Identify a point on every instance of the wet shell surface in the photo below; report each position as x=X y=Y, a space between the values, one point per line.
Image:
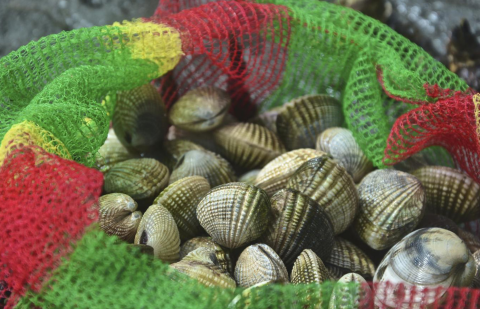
x=326 y=182
x=209 y=165
x=158 y=230
x=392 y=204
x=351 y=292
x=248 y=145
x=111 y=152
x=181 y=199
x=274 y=176
x=432 y=258
x=222 y=254
x=268 y=119
x=200 y=109
x=450 y=192
x=303 y=119
x=117 y=216
x=341 y=145
x=259 y=263
x=234 y=214
x=139 y=118
x=298 y=223
x=309 y=268
x=249 y=177
x=202 y=265
x=141 y=179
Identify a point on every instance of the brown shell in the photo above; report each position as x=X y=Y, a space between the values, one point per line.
x=304 y=118
x=298 y=223
x=222 y=254
x=181 y=199
x=450 y=192
x=309 y=268
x=158 y=230
x=268 y=119
x=209 y=165
x=471 y=241
x=274 y=176
x=326 y=182
x=234 y=214
x=259 y=263
x=117 y=216
x=249 y=177
x=111 y=152
x=392 y=204
x=248 y=145
x=200 y=109
x=351 y=292
x=139 y=118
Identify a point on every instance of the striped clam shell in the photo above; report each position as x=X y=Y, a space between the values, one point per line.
x=303 y=119
x=111 y=152
x=351 y=292
x=392 y=204
x=309 y=268
x=222 y=254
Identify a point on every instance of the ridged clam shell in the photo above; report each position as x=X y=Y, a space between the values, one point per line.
x=248 y=145
x=304 y=118
x=117 y=216
x=429 y=257
x=268 y=119
x=222 y=254
x=209 y=165
x=202 y=265
x=249 y=177
x=259 y=263
x=111 y=152
x=392 y=203
x=351 y=292
x=176 y=148
x=234 y=214
x=341 y=145
x=476 y=278
x=141 y=179
x=346 y=258
x=309 y=268
x=274 y=176
x=158 y=230
x=450 y=192
x=139 y=118
x=471 y=241
x=298 y=223
x=326 y=182
x=200 y=109
x=181 y=199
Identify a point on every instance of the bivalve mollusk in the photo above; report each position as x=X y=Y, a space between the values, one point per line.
x=268 y=119
x=309 y=268
x=249 y=177
x=222 y=254
x=476 y=278
x=351 y=292
x=111 y=152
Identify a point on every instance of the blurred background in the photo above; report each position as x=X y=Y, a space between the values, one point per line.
x=447 y=29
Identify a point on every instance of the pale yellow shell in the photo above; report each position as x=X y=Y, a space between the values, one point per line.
x=351 y=292
x=309 y=268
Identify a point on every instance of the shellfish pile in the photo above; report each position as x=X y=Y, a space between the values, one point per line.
x=286 y=198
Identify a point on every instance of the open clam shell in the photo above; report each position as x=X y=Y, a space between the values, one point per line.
x=309 y=268
x=222 y=254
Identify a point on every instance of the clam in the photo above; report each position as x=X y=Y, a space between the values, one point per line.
x=274 y=176
x=351 y=292
x=209 y=165
x=200 y=109
x=432 y=258
x=111 y=152
x=341 y=145
x=259 y=263
x=268 y=119
x=139 y=118
x=309 y=268
x=176 y=148
x=203 y=266
x=158 y=230
x=347 y=258
x=203 y=139
x=180 y=199
x=450 y=192
x=142 y=179
x=298 y=223
x=234 y=214
x=471 y=241
x=303 y=119
x=392 y=203
x=249 y=177
x=248 y=145
x=476 y=279
x=222 y=254
x=326 y=182
x=117 y=216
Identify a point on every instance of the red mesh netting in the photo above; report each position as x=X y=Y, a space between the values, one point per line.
x=46 y=205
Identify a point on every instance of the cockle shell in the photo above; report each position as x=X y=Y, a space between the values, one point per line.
x=309 y=268
x=351 y=292
x=274 y=176
x=117 y=216
x=259 y=263
x=234 y=214
x=392 y=203
x=450 y=192
x=222 y=254
x=248 y=145
x=298 y=223
x=341 y=145
x=432 y=258
x=111 y=152
x=303 y=119
x=174 y=149
x=181 y=199
x=158 y=230
x=326 y=182
x=249 y=177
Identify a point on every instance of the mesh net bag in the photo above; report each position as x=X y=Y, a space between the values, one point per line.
x=56 y=103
